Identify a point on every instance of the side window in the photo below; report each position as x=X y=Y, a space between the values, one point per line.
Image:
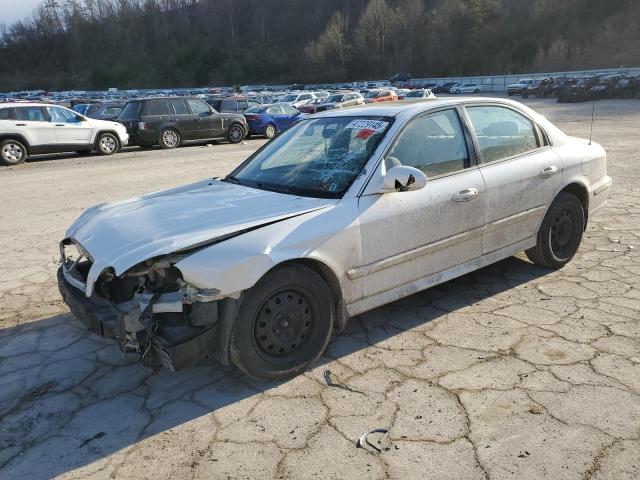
x=289 y=110
x=31 y=114
x=433 y=143
x=242 y=105
x=198 y=106
x=159 y=107
x=228 y=105
x=501 y=132
x=62 y=115
x=7 y=114
x=180 y=106
x=275 y=110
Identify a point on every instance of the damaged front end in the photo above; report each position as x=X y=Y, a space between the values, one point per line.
x=149 y=309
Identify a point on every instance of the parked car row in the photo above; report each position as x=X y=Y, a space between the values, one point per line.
x=37 y=128
x=105 y=125
x=572 y=89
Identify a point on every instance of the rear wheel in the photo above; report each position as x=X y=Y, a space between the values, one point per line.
x=169 y=138
x=270 y=131
x=560 y=233
x=107 y=144
x=12 y=152
x=235 y=134
x=284 y=324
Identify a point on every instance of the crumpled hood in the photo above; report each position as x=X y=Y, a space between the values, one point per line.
x=123 y=234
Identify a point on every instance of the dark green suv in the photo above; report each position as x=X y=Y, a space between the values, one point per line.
x=170 y=121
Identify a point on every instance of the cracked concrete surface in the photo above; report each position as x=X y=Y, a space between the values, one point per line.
x=510 y=372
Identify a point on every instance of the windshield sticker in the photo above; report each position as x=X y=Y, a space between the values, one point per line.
x=375 y=125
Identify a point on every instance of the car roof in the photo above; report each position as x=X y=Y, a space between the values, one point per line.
x=27 y=104
x=401 y=108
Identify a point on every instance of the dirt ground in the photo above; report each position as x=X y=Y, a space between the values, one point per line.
x=511 y=372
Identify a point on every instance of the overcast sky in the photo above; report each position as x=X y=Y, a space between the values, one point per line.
x=12 y=10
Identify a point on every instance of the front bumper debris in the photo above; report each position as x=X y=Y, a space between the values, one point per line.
x=155 y=328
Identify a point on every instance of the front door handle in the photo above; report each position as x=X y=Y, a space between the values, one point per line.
x=60 y=124
x=466 y=195
x=548 y=171
x=21 y=124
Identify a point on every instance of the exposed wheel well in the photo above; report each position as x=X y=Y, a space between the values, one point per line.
x=582 y=193
x=330 y=277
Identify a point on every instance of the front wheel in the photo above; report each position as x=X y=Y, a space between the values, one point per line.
x=560 y=233
x=270 y=131
x=283 y=325
x=107 y=144
x=169 y=138
x=12 y=152
x=235 y=134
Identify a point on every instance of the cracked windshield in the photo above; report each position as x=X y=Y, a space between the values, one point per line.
x=316 y=158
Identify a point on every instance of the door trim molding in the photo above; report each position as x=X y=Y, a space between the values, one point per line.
x=401 y=291
x=399 y=258
x=511 y=219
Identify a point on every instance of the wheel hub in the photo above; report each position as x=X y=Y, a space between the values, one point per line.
x=561 y=233
x=283 y=323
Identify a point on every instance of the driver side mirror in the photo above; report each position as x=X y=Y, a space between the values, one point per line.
x=403 y=178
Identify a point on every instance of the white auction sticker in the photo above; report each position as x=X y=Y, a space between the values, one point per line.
x=376 y=125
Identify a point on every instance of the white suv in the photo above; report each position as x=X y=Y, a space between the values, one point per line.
x=33 y=128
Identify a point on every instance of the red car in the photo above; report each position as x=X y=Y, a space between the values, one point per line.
x=310 y=106
x=380 y=96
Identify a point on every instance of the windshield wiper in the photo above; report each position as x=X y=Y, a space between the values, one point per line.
x=275 y=189
x=231 y=179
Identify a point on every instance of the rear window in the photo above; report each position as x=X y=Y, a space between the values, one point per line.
x=130 y=111
x=159 y=107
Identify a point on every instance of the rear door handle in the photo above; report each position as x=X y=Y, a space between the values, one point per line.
x=60 y=124
x=548 y=171
x=466 y=195
x=21 y=124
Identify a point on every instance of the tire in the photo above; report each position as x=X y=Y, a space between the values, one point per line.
x=457 y=92
x=169 y=138
x=524 y=93
x=510 y=94
x=283 y=325
x=476 y=90
x=270 y=131
x=107 y=144
x=560 y=233
x=235 y=133
x=12 y=152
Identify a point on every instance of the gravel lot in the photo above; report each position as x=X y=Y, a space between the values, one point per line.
x=511 y=372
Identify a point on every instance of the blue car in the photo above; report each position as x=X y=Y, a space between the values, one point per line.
x=269 y=120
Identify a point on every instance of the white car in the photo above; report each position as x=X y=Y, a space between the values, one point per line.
x=297 y=99
x=35 y=128
x=343 y=212
x=420 y=93
x=466 y=88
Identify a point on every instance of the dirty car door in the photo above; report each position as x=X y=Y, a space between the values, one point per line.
x=410 y=235
x=521 y=172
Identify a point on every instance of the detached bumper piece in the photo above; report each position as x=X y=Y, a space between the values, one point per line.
x=174 y=340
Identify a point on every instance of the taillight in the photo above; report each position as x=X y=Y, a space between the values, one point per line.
x=251 y=117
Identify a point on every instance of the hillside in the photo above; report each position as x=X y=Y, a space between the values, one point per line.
x=170 y=43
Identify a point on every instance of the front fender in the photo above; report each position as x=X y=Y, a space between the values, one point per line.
x=328 y=236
